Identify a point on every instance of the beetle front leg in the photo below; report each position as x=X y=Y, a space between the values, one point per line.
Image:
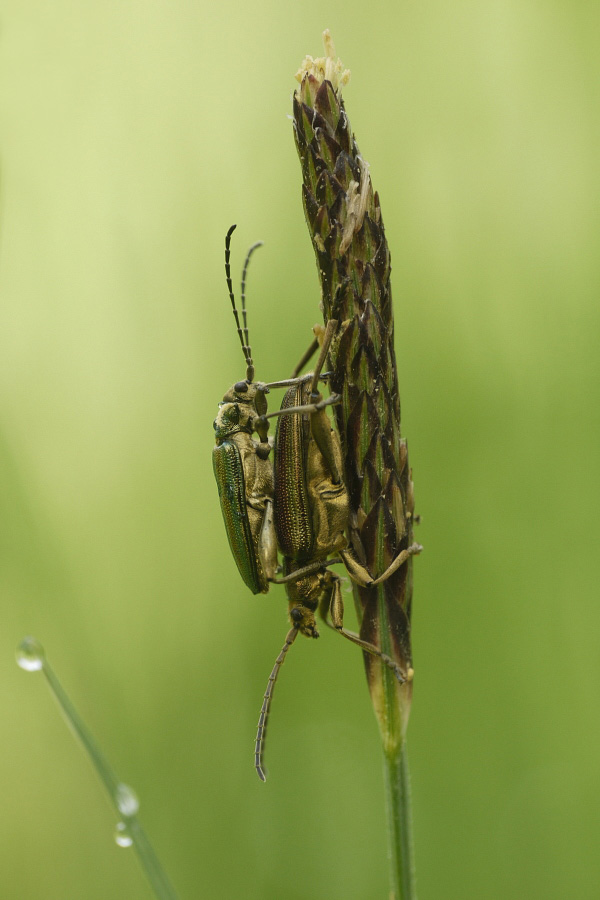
x=323 y=338
x=336 y=611
x=306 y=358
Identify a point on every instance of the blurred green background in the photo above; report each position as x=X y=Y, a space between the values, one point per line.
x=132 y=136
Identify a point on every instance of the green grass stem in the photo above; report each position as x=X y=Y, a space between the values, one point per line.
x=31 y=657
x=398 y=809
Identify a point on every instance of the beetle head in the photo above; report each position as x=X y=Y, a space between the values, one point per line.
x=304 y=620
x=303 y=596
x=250 y=393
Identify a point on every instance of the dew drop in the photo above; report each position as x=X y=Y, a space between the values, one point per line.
x=123 y=836
x=30 y=655
x=126 y=800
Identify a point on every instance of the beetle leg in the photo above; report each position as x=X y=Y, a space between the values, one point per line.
x=326 y=335
x=357 y=572
x=300 y=573
x=307 y=570
x=320 y=426
x=325 y=603
x=413 y=550
x=306 y=358
x=325 y=439
x=321 y=332
x=326 y=339
x=290 y=382
x=361 y=575
x=336 y=611
x=310 y=408
x=267 y=543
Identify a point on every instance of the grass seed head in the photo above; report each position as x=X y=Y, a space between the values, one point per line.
x=344 y=219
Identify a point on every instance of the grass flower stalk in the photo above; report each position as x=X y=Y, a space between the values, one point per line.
x=344 y=218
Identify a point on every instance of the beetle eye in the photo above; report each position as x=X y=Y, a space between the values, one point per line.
x=296 y=614
x=215 y=424
x=240 y=387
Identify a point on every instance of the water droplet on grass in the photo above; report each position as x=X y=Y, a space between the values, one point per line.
x=123 y=835
x=126 y=800
x=30 y=655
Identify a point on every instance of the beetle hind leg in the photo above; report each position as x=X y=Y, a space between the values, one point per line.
x=362 y=576
x=331 y=610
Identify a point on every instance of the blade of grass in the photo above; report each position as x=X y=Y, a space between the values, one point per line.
x=31 y=657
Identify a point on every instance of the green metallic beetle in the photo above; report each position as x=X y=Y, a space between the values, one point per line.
x=243 y=469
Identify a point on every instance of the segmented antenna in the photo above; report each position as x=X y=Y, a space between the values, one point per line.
x=245 y=269
x=259 y=747
x=242 y=332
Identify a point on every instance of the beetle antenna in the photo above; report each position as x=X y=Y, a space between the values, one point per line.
x=259 y=747
x=244 y=343
x=244 y=271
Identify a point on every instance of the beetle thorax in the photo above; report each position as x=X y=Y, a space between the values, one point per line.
x=233 y=418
